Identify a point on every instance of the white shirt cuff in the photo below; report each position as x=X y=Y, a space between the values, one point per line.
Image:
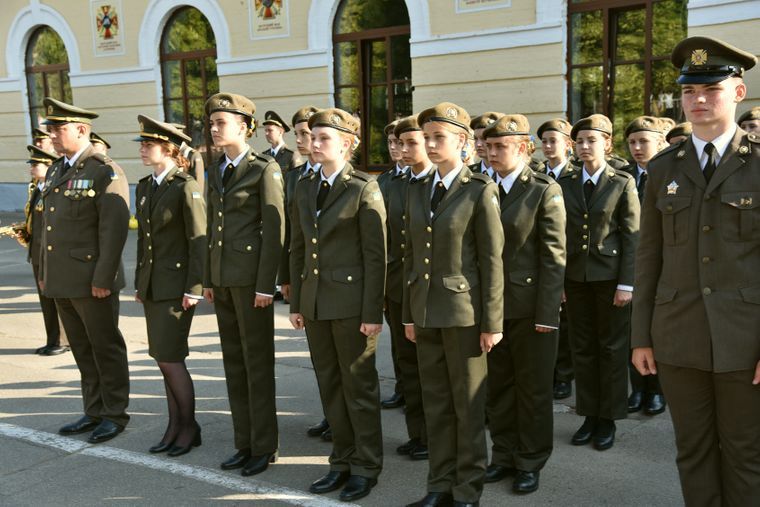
x=627 y=288
x=193 y=296
x=265 y=295
x=549 y=327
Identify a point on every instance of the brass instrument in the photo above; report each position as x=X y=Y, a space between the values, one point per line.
x=18 y=231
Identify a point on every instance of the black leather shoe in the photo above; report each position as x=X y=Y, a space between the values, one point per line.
x=83 y=425
x=495 y=473
x=41 y=350
x=394 y=401
x=434 y=500
x=160 y=447
x=655 y=404
x=106 y=430
x=327 y=435
x=405 y=449
x=179 y=451
x=237 y=460
x=562 y=390
x=357 y=487
x=329 y=482
x=419 y=453
x=525 y=482
x=318 y=429
x=635 y=401
x=604 y=436
x=258 y=464
x=55 y=350
x=585 y=432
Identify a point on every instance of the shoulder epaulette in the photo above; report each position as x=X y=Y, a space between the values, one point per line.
x=753 y=137
x=543 y=177
x=182 y=175
x=266 y=158
x=483 y=178
x=103 y=159
x=145 y=178
x=670 y=148
x=621 y=172
x=361 y=175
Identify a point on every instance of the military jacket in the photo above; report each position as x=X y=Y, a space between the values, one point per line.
x=697 y=297
x=338 y=255
x=291 y=180
x=453 y=271
x=396 y=190
x=246 y=225
x=285 y=158
x=36 y=219
x=171 y=237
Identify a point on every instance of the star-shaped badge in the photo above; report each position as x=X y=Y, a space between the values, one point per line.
x=672 y=188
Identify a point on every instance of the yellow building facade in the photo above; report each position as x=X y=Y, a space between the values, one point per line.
x=526 y=56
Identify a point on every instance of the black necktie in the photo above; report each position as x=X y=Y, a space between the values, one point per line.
x=66 y=167
x=227 y=174
x=554 y=176
x=438 y=193
x=502 y=193
x=642 y=182
x=588 y=189
x=155 y=185
x=324 y=189
x=709 y=169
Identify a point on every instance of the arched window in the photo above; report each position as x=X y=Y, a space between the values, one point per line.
x=188 y=68
x=373 y=70
x=47 y=71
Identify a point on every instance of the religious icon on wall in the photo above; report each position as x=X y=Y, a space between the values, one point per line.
x=269 y=18
x=108 y=38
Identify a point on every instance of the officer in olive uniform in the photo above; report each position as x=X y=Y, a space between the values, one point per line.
x=41 y=139
x=696 y=308
x=750 y=120
x=246 y=229
x=602 y=233
x=478 y=125
x=196 y=169
x=397 y=171
x=338 y=251
x=521 y=367
x=40 y=160
x=453 y=307
x=284 y=156
x=563 y=370
x=86 y=217
x=99 y=144
x=678 y=133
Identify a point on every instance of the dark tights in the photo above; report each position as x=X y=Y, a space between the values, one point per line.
x=180 y=397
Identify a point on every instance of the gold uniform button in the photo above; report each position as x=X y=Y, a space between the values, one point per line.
x=56 y=190
x=585 y=215
x=427 y=245
x=529 y=280
x=313 y=256
x=707 y=291
x=705 y=260
x=147 y=234
x=427 y=261
x=51 y=209
x=150 y=261
x=584 y=247
x=585 y=236
x=669 y=207
x=249 y=248
x=219 y=228
x=89 y=257
x=429 y=229
x=585 y=227
x=615 y=252
x=148 y=220
x=706 y=228
x=49 y=228
x=219 y=243
x=316 y=271
x=150 y=247
x=402 y=245
x=315 y=225
x=427 y=276
x=403 y=232
x=462 y=286
x=179 y=264
x=219 y=213
x=314 y=241
x=403 y=217
x=50 y=248
x=350 y=278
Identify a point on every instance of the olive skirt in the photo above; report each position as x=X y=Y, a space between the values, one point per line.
x=168 y=329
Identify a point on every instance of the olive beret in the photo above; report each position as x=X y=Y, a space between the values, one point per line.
x=337 y=119
x=408 y=124
x=594 y=122
x=446 y=112
x=508 y=125
x=485 y=120
x=303 y=114
x=682 y=129
x=557 y=124
x=752 y=114
x=230 y=103
x=388 y=130
x=644 y=124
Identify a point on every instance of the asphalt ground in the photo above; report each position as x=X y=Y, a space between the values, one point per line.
x=39 y=394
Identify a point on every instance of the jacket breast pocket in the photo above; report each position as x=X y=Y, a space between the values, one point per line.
x=675 y=219
x=740 y=216
x=457 y=283
x=84 y=254
x=347 y=275
x=523 y=278
x=246 y=246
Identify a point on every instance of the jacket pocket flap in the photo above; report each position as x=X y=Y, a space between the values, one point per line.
x=347 y=275
x=751 y=294
x=83 y=254
x=456 y=283
x=523 y=278
x=671 y=205
x=664 y=295
x=412 y=278
x=610 y=249
x=244 y=245
x=741 y=200
x=175 y=264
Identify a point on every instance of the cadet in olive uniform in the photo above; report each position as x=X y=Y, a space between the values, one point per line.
x=86 y=217
x=246 y=228
x=196 y=169
x=645 y=137
x=678 y=133
x=453 y=304
x=171 y=254
x=602 y=231
x=414 y=156
x=31 y=237
x=557 y=146
x=521 y=367
x=750 y=120
x=274 y=130
x=397 y=330
x=41 y=139
x=338 y=252
x=696 y=309
x=99 y=144
x=478 y=125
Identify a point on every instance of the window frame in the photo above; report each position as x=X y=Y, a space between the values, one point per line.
x=30 y=70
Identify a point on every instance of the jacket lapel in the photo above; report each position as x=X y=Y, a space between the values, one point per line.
x=729 y=163
x=339 y=185
x=456 y=186
x=312 y=195
x=576 y=184
x=215 y=175
x=602 y=186
x=240 y=171
x=518 y=187
x=161 y=190
x=689 y=164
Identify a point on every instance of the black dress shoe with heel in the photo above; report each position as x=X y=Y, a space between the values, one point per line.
x=258 y=464
x=357 y=487
x=105 y=431
x=318 y=429
x=395 y=400
x=525 y=482
x=161 y=447
x=83 y=425
x=237 y=460
x=176 y=450
x=419 y=453
x=434 y=500
x=331 y=481
x=635 y=401
x=655 y=404
x=585 y=432
x=55 y=350
x=495 y=473
x=562 y=390
x=604 y=436
x=407 y=448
